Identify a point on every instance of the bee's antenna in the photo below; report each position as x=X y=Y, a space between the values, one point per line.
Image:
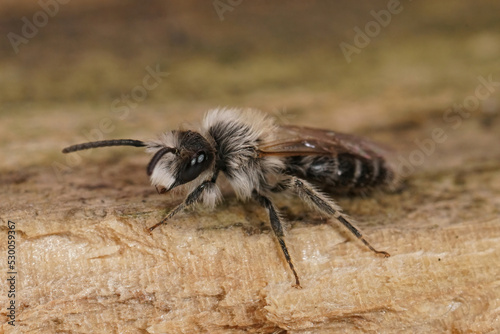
x=104 y=143
x=157 y=157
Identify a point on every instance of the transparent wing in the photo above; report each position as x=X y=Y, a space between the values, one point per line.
x=298 y=140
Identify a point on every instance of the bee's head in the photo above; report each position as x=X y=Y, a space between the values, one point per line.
x=179 y=157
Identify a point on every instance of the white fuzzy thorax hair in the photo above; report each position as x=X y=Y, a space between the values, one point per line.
x=249 y=128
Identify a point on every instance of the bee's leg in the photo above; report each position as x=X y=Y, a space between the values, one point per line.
x=326 y=205
x=278 y=230
x=190 y=199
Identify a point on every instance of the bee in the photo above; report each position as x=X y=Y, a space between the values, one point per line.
x=259 y=158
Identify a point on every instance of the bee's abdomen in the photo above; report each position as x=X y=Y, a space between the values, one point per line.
x=343 y=172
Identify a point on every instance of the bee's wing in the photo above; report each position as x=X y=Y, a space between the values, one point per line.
x=297 y=140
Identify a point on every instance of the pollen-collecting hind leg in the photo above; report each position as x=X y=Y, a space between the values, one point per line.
x=308 y=194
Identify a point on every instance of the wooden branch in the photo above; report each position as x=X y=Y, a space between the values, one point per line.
x=87 y=263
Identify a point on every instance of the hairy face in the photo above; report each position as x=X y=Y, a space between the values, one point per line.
x=179 y=157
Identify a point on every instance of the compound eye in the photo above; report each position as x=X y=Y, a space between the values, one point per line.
x=193 y=169
x=201 y=157
x=198 y=160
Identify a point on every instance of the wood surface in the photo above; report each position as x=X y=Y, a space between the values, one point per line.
x=86 y=263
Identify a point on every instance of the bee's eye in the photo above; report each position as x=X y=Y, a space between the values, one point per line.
x=193 y=169
x=201 y=157
x=198 y=159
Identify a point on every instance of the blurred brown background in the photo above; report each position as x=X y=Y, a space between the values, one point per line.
x=73 y=71
x=282 y=57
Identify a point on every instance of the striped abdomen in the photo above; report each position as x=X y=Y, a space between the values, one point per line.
x=343 y=172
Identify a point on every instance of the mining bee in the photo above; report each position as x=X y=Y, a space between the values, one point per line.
x=259 y=158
